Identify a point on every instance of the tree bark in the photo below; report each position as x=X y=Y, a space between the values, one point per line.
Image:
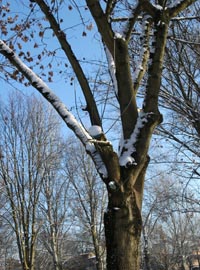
x=123 y=226
x=123 y=222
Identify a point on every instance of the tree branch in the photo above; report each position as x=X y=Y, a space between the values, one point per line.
x=58 y=105
x=156 y=64
x=144 y=54
x=110 y=6
x=102 y=23
x=91 y=105
x=148 y=8
x=176 y=139
x=132 y=21
x=181 y=5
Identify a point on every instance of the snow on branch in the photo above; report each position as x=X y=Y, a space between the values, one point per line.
x=144 y=52
x=112 y=69
x=58 y=105
x=127 y=147
x=111 y=61
x=159 y=7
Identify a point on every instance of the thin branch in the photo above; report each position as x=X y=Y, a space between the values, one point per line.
x=144 y=55
x=110 y=6
x=131 y=21
x=91 y=105
x=174 y=138
x=102 y=24
x=184 y=41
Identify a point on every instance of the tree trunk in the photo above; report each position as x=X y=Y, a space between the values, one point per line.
x=123 y=225
x=123 y=221
x=146 y=262
x=97 y=248
x=56 y=261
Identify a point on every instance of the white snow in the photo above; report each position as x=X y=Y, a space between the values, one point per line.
x=126 y=160
x=112 y=69
x=143 y=51
x=97 y=159
x=118 y=35
x=95 y=130
x=116 y=208
x=159 y=7
x=127 y=148
x=152 y=49
x=112 y=185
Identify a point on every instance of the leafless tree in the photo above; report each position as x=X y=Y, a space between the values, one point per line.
x=170 y=223
x=180 y=91
x=27 y=127
x=116 y=21
x=88 y=200
x=54 y=207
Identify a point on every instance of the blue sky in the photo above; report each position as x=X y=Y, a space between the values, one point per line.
x=79 y=43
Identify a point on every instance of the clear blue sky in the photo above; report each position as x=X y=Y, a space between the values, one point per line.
x=85 y=48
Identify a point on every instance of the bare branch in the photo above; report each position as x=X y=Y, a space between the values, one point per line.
x=132 y=21
x=178 y=6
x=102 y=24
x=110 y=6
x=91 y=105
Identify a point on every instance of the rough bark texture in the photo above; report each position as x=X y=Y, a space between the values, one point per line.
x=123 y=225
x=123 y=222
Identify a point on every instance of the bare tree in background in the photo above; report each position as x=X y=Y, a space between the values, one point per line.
x=180 y=91
x=54 y=207
x=88 y=200
x=170 y=225
x=27 y=127
x=124 y=172
x=7 y=248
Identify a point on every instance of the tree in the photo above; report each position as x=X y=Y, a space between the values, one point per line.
x=180 y=89
x=170 y=222
x=27 y=132
x=53 y=206
x=7 y=249
x=123 y=173
x=88 y=200
x=180 y=92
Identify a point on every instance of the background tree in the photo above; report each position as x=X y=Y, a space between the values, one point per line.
x=180 y=93
x=123 y=173
x=88 y=201
x=54 y=206
x=27 y=132
x=171 y=230
x=7 y=248
x=180 y=89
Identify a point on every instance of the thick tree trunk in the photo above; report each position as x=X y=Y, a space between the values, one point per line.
x=123 y=225
x=122 y=221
